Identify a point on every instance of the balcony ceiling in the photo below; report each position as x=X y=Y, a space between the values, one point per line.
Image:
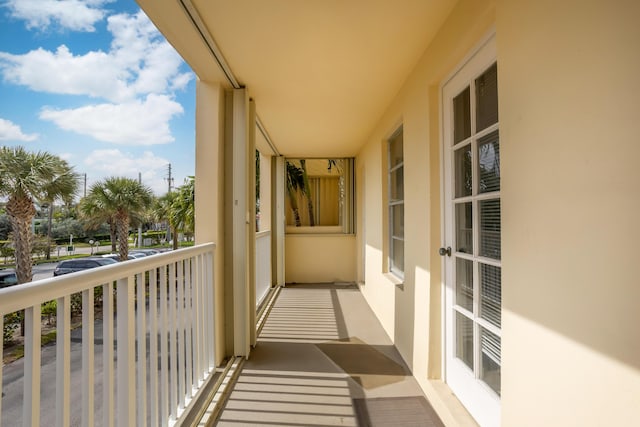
x=322 y=72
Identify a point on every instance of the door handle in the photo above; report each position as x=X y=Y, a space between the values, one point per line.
x=445 y=251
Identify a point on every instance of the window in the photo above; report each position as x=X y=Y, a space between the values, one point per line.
x=319 y=195
x=396 y=204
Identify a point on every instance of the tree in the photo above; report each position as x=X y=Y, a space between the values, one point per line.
x=94 y=209
x=52 y=194
x=26 y=177
x=177 y=208
x=295 y=183
x=5 y=226
x=162 y=212
x=126 y=200
x=183 y=207
x=307 y=191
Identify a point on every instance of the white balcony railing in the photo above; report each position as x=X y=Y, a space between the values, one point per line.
x=161 y=309
x=263 y=265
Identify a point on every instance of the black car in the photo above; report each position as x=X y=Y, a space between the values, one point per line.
x=8 y=278
x=79 y=264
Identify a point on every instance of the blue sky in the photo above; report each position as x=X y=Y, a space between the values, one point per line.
x=94 y=82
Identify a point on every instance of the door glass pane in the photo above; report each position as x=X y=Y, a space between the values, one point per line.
x=490 y=293
x=398 y=220
x=462 y=116
x=463 y=176
x=490 y=372
x=489 y=163
x=464 y=339
x=397 y=184
x=490 y=228
x=464 y=283
x=487 y=98
x=464 y=227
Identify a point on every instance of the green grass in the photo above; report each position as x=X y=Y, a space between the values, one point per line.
x=14 y=353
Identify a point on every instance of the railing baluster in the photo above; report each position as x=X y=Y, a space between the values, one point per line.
x=63 y=361
x=173 y=345
x=188 y=326
x=108 y=370
x=153 y=347
x=197 y=312
x=210 y=331
x=206 y=325
x=181 y=334
x=142 y=349
x=164 y=348
x=87 y=357
x=126 y=353
x=1 y=362
x=31 y=402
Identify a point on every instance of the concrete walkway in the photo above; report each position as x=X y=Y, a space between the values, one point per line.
x=323 y=359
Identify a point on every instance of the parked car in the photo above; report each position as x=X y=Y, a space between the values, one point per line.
x=137 y=254
x=116 y=257
x=145 y=252
x=79 y=264
x=8 y=278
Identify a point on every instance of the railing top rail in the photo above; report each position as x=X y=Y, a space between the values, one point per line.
x=263 y=233
x=28 y=294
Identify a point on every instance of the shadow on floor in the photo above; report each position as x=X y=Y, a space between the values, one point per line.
x=323 y=359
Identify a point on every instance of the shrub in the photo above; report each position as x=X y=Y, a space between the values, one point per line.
x=11 y=323
x=49 y=309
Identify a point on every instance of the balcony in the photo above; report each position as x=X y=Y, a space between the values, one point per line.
x=322 y=357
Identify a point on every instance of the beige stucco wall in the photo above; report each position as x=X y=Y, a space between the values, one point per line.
x=570 y=124
x=209 y=189
x=320 y=258
x=411 y=312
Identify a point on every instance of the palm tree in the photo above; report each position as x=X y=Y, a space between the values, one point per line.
x=183 y=207
x=126 y=200
x=26 y=177
x=178 y=209
x=295 y=182
x=162 y=212
x=94 y=211
x=307 y=191
x=52 y=193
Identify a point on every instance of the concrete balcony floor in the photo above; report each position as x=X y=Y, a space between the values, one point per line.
x=323 y=359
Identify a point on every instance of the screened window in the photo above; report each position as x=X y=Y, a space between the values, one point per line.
x=396 y=204
x=319 y=195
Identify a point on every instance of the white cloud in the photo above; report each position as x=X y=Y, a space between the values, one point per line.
x=93 y=74
x=10 y=131
x=132 y=123
x=73 y=15
x=138 y=63
x=105 y=163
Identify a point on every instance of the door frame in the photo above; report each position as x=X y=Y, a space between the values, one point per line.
x=483 y=405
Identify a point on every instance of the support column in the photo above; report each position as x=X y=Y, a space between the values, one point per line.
x=240 y=222
x=209 y=191
x=277 y=220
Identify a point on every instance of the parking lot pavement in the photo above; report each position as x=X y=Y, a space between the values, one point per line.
x=43 y=271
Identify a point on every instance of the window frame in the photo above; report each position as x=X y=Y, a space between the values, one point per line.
x=393 y=202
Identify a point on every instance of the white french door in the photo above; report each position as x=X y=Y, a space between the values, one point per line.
x=472 y=251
